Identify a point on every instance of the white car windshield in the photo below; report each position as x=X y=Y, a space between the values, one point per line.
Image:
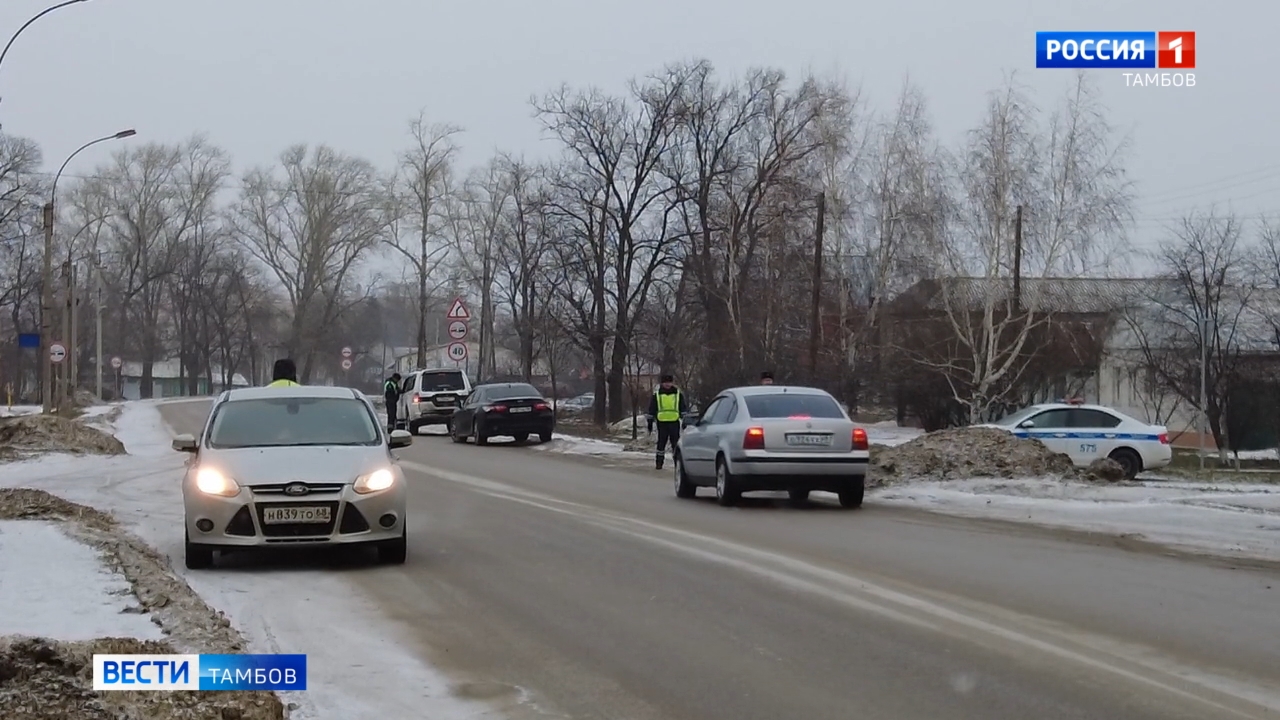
x=292 y=422
x=1017 y=417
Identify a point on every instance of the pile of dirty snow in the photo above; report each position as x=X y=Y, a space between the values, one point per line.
x=28 y=435
x=29 y=504
x=969 y=452
x=43 y=679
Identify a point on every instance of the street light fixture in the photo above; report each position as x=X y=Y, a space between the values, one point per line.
x=28 y=24
x=46 y=278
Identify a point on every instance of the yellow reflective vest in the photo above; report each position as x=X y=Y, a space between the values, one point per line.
x=668 y=406
x=284 y=383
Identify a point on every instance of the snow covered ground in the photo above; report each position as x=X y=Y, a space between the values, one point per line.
x=89 y=412
x=888 y=433
x=1232 y=519
x=55 y=587
x=303 y=610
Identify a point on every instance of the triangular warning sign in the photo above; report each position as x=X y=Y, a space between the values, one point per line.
x=458 y=311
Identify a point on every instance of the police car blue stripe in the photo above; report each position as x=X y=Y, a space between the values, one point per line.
x=1139 y=437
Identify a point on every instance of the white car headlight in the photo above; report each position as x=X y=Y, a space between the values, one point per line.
x=212 y=482
x=375 y=481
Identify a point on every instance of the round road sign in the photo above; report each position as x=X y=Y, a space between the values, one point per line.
x=346 y=364
x=457 y=351
x=346 y=352
x=457 y=329
x=57 y=352
x=116 y=362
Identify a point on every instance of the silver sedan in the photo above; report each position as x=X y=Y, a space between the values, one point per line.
x=773 y=437
x=293 y=466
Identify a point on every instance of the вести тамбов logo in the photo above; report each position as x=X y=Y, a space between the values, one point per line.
x=1151 y=59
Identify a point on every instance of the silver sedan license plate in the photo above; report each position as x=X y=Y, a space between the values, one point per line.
x=800 y=439
x=283 y=515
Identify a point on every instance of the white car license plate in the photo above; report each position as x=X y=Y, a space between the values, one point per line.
x=443 y=401
x=516 y=410
x=279 y=516
x=795 y=439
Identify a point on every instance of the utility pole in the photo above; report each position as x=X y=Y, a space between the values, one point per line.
x=65 y=390
x=73 y=350
x=815 y=317
x=46 y=312
x=1204 y=385
x=1017 y=261
x=97 y=306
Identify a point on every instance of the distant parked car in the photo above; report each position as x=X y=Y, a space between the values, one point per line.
x=773 y=437
x=515 y=410
x=577 y=404
x=292 y=467
x=430 y=397
x=1088 y=432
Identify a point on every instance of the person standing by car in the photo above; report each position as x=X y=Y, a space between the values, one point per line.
x=666 y=408
x=284 y=374
x=766 y=378
x=391 y=394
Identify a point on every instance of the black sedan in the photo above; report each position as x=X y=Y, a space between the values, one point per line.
x=515 y=410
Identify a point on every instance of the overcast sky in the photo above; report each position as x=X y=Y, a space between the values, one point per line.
x=258 y=75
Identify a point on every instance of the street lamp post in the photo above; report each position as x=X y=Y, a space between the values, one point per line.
x=46 y=276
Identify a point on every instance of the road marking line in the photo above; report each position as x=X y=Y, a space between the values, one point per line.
x=847 y=587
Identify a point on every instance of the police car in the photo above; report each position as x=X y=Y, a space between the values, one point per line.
x=1088 y=432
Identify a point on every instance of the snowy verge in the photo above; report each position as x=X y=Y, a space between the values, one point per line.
x=299 y=608
x=1231 y=520
x=55 y=587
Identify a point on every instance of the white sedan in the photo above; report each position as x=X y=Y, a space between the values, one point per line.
x=290 y=467
x=1088 y=432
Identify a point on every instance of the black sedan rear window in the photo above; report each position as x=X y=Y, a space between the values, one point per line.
x=784 y=405
x=516 y=390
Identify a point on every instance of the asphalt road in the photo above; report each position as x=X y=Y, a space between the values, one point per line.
x=596 y=591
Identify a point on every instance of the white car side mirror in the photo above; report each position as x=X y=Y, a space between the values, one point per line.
x=399 y=439
x=1027 y=424
x=185 y=442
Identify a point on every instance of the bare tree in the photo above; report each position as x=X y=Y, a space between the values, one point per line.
x=521 y=250
x=312 y=226
x=749 y=168
x=477 y=215
x=145 y=208
x=618 y=144
x=20 y=254
x=578 y=213
x=1200 y=309
x=1079 y=216
x=424 y=177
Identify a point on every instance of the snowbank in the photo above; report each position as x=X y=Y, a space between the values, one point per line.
x=55 y=587
x=1236 y=520
x=573 y=445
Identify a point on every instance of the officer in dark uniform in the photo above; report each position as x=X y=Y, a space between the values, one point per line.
x=666 y=408
x=391 y=394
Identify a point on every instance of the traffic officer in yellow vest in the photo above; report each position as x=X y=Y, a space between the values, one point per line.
x=284 y=374
x=666 y=408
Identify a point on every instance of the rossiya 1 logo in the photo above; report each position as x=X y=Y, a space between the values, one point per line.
x=1173 y=51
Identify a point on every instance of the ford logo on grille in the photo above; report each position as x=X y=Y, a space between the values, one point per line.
x=296 y=489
